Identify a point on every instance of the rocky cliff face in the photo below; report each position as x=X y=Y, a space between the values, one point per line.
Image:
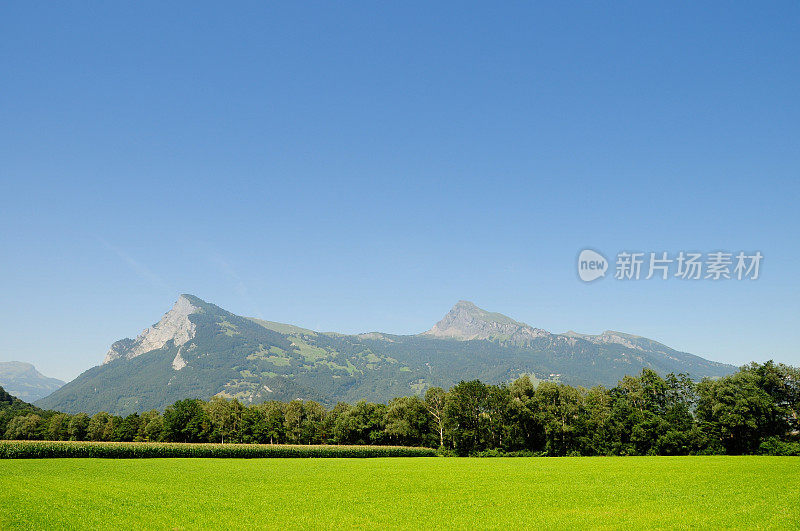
x=465 y=321
x=174 y=326
x=629 y=341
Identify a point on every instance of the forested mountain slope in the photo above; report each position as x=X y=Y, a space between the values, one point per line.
x=200 y=350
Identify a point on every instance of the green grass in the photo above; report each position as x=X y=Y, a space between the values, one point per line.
x=228 y=328
x=640 y=492
x=282 y=327
x=309 y=352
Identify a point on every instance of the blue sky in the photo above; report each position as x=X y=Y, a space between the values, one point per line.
x=363 y=166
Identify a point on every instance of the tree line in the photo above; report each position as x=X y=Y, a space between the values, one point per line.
x=754 y=410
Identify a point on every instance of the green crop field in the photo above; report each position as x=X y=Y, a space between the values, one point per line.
x=611 y=492
x=45 y=449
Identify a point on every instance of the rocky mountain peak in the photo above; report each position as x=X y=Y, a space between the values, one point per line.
x=466 y=306
x=175 y=326
x=466 y=321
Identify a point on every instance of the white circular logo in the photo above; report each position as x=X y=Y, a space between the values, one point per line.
x=591 y=265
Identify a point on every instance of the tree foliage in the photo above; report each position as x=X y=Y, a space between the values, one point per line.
x=754 y=410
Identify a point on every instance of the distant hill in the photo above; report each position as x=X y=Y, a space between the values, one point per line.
x=10 y=402
x=200 y=350
x=24 y=381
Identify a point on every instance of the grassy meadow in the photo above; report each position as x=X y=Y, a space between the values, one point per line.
x=606 y=492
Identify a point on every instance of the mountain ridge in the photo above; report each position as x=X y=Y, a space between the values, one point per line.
x=199 y=349
x=25 y=382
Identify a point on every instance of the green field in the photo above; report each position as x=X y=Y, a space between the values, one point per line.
x=612 y=492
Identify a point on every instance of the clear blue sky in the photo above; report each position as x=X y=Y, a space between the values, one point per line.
x=363 y=166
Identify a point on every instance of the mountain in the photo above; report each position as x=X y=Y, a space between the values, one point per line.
x=200 y=350
x=466 y=322
x=10 y=402
x=11 y=406
x=24 y=381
